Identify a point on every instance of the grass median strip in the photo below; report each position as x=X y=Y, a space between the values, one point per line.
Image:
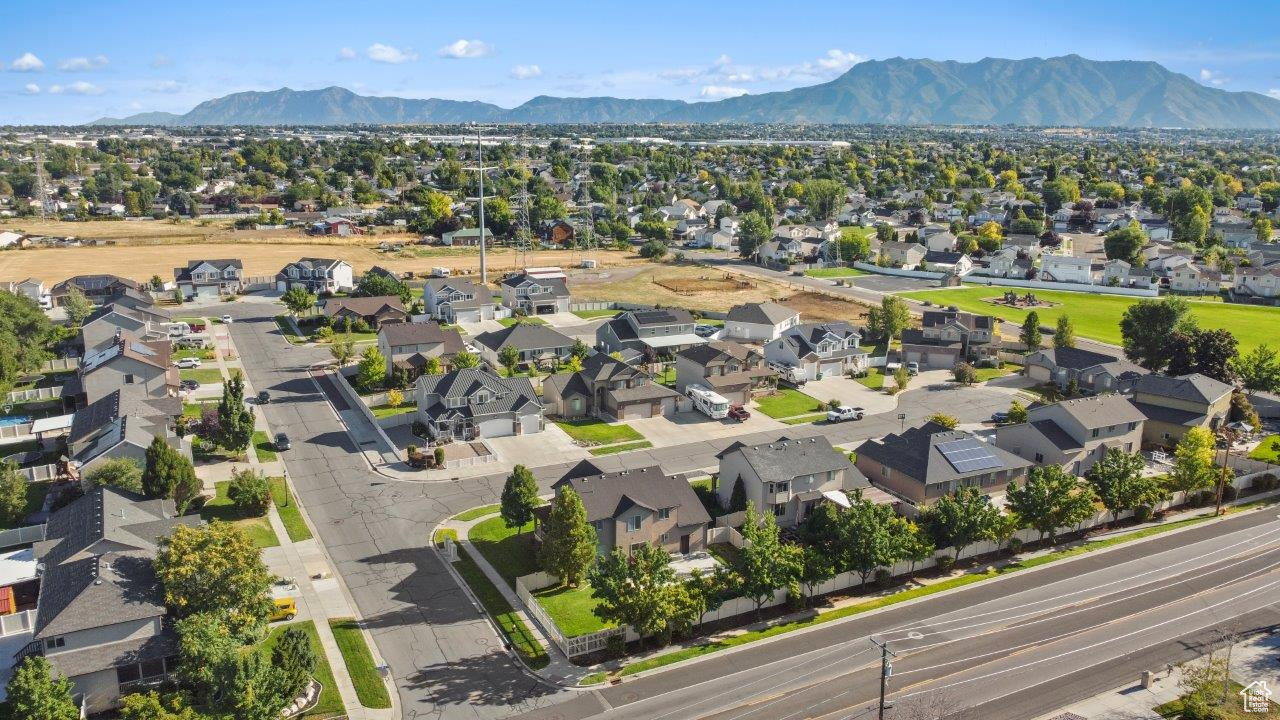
x=287 y=507
x=370 y=688
x=476 y=513
x=517 y=633
x=624 y=447
x=802 y=419
x=263 y=446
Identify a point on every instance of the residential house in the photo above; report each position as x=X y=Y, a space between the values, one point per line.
x=943 y=242
x=537 y=344
x=1007 y=263
x=534 y=295
x=209 y=278
x=454 y=300
x=632 y=508
x=663 y=331
x=557 y=232
x=946 y=337
x=374 y=311
x=466 y=237
x=903 y=255
x=122 y=424
x=947 y=262
x=100 y=617
x=732 y=370
x=1236 y=230
x=819 y=349
x=1067 y=269
x=317 y=275
x=1074 y=434
x=608 y=389
x=95 y=287
x=31 y=288
x=922 y=464
x=111 y=322
x=759 y=322
x=1195 y=278
x=123 y=362
x=781 y=250
x=788 y=478
x=1262 y=282
x=411 y=345
x=1026 y=245
x=1172 y=405
x=475 y=403
x=336 y=225
x=1092 y=371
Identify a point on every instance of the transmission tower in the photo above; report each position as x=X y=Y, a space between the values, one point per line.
x=480 y=170
x=524 y=230
x=42 y=191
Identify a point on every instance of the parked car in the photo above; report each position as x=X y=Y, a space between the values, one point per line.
x=282 y=442
x=264 y=397
x=704 y=330
x=843 y=413
x=999 y=418
x=739 y=413
x=913 y=368
x=188 y=363
x=226 y=319
x=189 y=385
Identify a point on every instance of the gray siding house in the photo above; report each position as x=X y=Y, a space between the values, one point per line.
x=788 y=478
x=1074 y=434
x=474 y=403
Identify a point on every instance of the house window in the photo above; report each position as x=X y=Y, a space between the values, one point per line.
x=1133 y=426
x=780 y=509
x=1094 y=433
x=664 y=513
x=55 y=642
x=598 y=525
x=664 y=537
x=127 y=674
x=153 y=668
x=633 y=523
x=635 y=547
x=129 y=379
x=1039 y=457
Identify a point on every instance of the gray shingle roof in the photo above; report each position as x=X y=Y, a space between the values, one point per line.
x=524 y=336
x=1194 y=387
x=765 y=313
x=1096 y=412
x=606 y=495
x=786 y=459
x=506 y=394
x=914 y=453
x=424 y=333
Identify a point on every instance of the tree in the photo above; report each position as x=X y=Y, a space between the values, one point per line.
x=255 y=690
x=1017 y=412
x=1030 y=333
x=871 y=536
x=380 y=285
x=636 y=589
x=889 y=320
x=509 y=356
x=235 y=419
x=1193 y=462
x=765 y=563
x=1214 y=352
x=154 y=706
x=77 y=306
x=1118 y=481
x=579 y=349
x=372 y=369
x=13 y=493
x=1064 y=336
x=298 y=299
x=569 y=541
x=816 y=567
x=738 y=496
x=519 y=498
x=917 y=546
x=964 y=373
x=206 y=649
x=432 y=367
x=947 y=421
x=900 y=378
x=853 y=245
x=1262 y=228
x=215 y=569
x=122 y=472
x=824 y=197
x=753 y=231
x=249 y=492
x=653 y=250
x=465 y=359
x=960 y=519
x=295 y=656
x=708 y=591
x=26 y=336
x=169 y=474
x=1146 y=327
x=1126 y=243
x=343 y=349
x=1050 y=498
x=990 y=230
x=36 y=693
x=1258 y=369
x=885 y=233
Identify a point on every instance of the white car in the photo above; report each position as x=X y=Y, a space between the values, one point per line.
x=188 y=363
x=226 y=319
x=843 y=413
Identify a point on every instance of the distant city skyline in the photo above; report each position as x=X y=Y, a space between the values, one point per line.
x=82 y=60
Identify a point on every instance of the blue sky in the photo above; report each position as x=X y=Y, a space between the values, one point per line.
x=76 y=61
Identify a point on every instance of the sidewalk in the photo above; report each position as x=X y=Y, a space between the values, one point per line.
x=1252 y=659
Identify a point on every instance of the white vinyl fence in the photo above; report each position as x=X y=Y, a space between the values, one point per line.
x=16 y=623
x=1012 y=282
x=571 y=646
x=32 y=394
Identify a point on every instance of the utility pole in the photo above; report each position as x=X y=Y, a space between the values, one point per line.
x=42 y=192
x=1222 y=478
x=886 y=670
x=479 y=169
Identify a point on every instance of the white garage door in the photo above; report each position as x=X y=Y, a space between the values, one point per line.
x=1037 y=373
x=831 y=369
x=467 y=316
x=941 y=360
x=210 y=291
x=638 y=411
x=669 y=406
x=501 y=427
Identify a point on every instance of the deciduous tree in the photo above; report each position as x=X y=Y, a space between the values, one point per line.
x=1051 y=498
x=298 y=299
x=1118 y=481
x=465 y=360
x=638 y=590
x=122 y=472
x=1193 y=462
x=372 y=369
x=77 y=306
x=35 y=692
x=1258 y=369
x=765 y=563
x=13 y=493
x=889 y=320
x=1146 y=327
x=960 y=519
x=235 y=419
x=249 y=492
x=215 y=569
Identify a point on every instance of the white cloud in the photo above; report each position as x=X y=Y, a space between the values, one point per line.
x=839 y=60
x=1211 y=77
x=27 y=63
x=379 y=52
x=721 y=91
x=78 y=87
x=31 y=89
x=723 y=60
x=346 y=53
x=160 y=61
x=165 y=86
x=81 y=64
x=1274 y=92
x=466 y=49
x=524 y=72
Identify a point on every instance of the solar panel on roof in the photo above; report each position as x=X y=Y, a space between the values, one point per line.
x=968 y=455
x=648 y=316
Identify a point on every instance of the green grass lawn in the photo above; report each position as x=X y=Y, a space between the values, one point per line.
x=1232 y=709
x=518 y=634
x=1098 y=316
x=529 y=320
x=595 y=314
x=385 y=411
x=786 y=403
x=286 y=329
x=476 y=513
x=201 y=353
x=835 y=272
x=329 y=704
x=370 y=688
x=571 y=609
x=192 y=411
x=203 y=375
x=287 y=508
x=622 y=447
x=220 y=508
x=666 y=377
x=874 y=379
x=597 y=432
x=1268 y=450
x=510 y=554
x=804 y=419
x=985 y=374
x=264 y=447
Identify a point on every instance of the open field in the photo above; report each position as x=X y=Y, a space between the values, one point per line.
x=816 y=307
x=1098 y=316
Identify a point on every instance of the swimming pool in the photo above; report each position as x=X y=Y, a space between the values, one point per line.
x=14 y=420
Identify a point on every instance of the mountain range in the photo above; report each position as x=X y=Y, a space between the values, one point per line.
x=1059 y=91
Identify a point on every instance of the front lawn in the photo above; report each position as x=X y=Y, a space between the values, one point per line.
x=385 y=411
x=370 y=688
x=287 y=509
x=571 y=609
x=985 y=374
x=510 y=554
x=476 y=513
x=264 y=447
x=529 y=320
x=1268 y=450
x=597 y=432
x=220 y=508
x=787 y=403
x=329 y=704
x=198 y=353
x=874 y=379
x=525 y=644
x=204 y=376
x=595 y=314
x=835 y=272
x=621 y=447
x=1098 y=316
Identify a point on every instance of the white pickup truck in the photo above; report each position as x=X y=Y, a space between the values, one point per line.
x=843 y=413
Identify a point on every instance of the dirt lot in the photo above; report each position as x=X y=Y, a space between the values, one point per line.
x=815 y=307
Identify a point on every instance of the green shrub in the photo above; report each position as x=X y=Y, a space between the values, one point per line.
x=1015 y=546
x=946 y=563
x=1142 y=513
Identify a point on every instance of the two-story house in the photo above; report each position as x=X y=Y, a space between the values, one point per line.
x=922 y=464
x=535 y=295
x=375 y=310
x=608 y=389
x=1195 y=278
x=645 y=506
x=904 y=255
x=475 y=403
x=137 y=364
x=100 y=617
x=759 y=322
x=1172 y=405
x=110 y=322
x=732 y=370
x=788 y=478
x=819 y=350
x=317 y=275
x=209 y=278
x=96 y=288
x=1074 y=434
x=1066 y=269
x=664 y=331
x=410 y=346
x=1261 y=282
x=452 y=300
x=946 y=337
x=537 y=344
x=1092 y=371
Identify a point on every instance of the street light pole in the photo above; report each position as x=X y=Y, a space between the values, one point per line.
x=886 y=669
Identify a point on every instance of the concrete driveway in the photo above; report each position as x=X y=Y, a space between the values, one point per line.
x=852 y=393
x=548 y=447
x=690 y=427
x=561 y=319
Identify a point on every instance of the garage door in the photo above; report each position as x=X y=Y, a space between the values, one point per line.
x=496 y=428
x=941 y=360
x=669 y=406
x=467 y=316
x=637 y=411
x=209 y=291
x=1038 y=373
x=831 y=369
